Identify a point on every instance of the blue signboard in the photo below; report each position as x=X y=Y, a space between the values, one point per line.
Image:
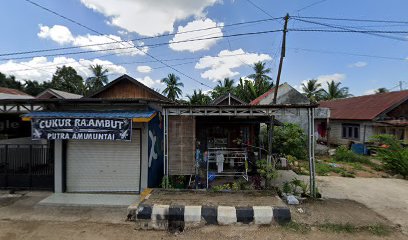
x=110 y=129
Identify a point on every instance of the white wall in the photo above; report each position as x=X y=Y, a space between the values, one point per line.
x=58 y=160
x=336 y=131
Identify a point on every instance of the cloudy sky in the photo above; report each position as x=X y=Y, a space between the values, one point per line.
x=126 y=37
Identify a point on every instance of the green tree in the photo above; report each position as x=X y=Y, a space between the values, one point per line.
x=223 y=87
x=312 y=90
x=34 y=88
x=262 y=81
x=66 y=79
x=334 y=91
x=381 y=90
x=10 y=82
x=198 y=98
x=246 y=90
x=173 y=84
x=99 y=78
x=288 y=139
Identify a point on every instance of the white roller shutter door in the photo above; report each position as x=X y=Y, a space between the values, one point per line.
x=104 y=166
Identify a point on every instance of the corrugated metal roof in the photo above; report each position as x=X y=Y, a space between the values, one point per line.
x=80 y=114
x=14 y=96
x=364 y=107
x=286 y=95
x=12 y=91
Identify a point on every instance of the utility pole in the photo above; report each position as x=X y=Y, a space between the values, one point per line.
x=400 y=86
x=272 y=119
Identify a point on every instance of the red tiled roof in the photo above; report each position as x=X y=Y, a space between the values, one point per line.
x=12 y=91
x=257 y=100
x=364 y=107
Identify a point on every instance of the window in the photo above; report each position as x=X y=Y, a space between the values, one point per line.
x=351 y=131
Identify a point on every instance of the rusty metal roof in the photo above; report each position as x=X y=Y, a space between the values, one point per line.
x=12 y=91
x=364 y=107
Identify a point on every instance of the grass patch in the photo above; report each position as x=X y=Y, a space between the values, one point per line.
x=297 y=227
x=338 y=228
x=378 y=229
x=348 y=174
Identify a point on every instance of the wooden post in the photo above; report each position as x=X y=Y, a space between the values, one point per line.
x=272 y=119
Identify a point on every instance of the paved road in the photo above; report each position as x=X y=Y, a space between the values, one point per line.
x=388 y=197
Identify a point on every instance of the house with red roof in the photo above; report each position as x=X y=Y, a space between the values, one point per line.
x=10 y=93
x=289 y=95
x=356 y=119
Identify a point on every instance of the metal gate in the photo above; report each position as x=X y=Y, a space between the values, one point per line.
x=26 y=166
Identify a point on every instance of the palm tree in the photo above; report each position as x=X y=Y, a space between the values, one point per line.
x=261 y=79
x=199 y=98
x=381 y=90
x=334 y=91
x=223 y=87
x=99 y=78
x=246 y=90
x=172 y=90
x=312 y=90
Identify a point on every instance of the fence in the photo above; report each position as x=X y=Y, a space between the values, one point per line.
x=28 y=166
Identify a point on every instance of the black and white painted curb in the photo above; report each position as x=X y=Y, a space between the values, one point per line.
x=177 y=217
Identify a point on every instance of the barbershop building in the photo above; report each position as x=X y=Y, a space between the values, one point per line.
x=108 y=142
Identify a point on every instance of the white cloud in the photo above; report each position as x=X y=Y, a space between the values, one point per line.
x=323 y=80
x=144 y=69
x=358 y=64
x=370 y=92
x=148 y=81
x=336 y=77
x=40 y=69
x=148 y=17
x=215 y=31
x=62 y=35
x=224 y=64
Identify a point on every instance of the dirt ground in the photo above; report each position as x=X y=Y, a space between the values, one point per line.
x=46 y=230
x=336 y=211
x=388 y=197
x=237 y=199
x=21 y=218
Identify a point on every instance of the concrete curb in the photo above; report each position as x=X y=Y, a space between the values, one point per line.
x=176 y=218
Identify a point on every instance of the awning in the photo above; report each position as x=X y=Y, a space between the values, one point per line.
x=136 y=116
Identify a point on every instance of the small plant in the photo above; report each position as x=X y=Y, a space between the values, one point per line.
x=287 y=188
x=294 y=186
x=243 y=185
x=166 y=183
x=267 y=172
x=392 y=153
x=379 y=230
x=256 y=182
x=348 y=174
x=345 y=155
x=223 y=187
x=297 y=227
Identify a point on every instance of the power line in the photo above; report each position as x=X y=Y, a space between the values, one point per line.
x=136 y=39
x=152 y=45
x=347 y=53
x=353 y=19
x=311 y=5
x=73 y=21
x=259 y=8
x=51 y=66
x=345 y=29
